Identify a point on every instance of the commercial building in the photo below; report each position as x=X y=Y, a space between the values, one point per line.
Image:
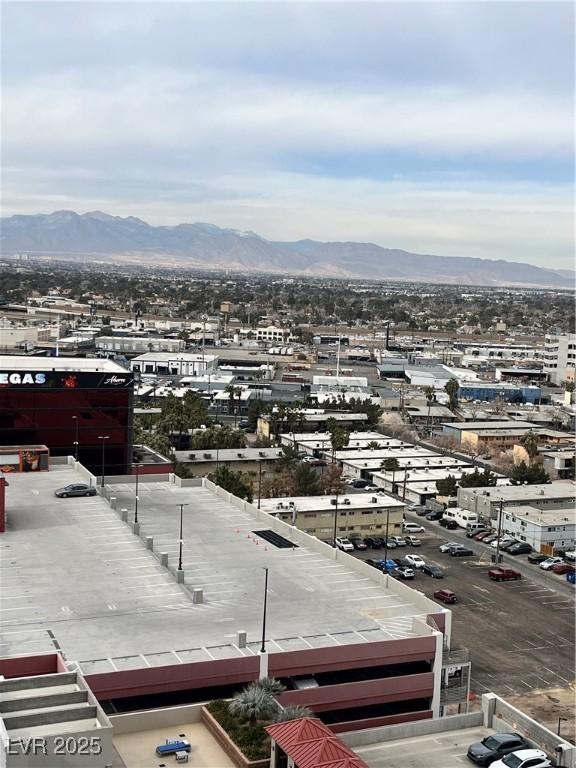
x=363 y=514
x=546 y=530
x=317 y=442
x=174 y=364
x=308 y=421
x=481 y=436
x=486 y=391
x=486 y=501
x=73 y=406
x=417 y=485
x=357 y=646
x=251 y=460
x=560 y=356
x=137 y=345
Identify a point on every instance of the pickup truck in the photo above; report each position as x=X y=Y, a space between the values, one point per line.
x=504 y=574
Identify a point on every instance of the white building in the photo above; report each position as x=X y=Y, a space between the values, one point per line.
x=174 y=364
x=541 y=528
x=134 y=344
x=560 y=356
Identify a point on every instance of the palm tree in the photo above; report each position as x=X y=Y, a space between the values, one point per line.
x=270 y=684
x=391 y=465
x=451 y=387
x=430 y=397
x=529 y=442
x=253 y=704
x=293 y=712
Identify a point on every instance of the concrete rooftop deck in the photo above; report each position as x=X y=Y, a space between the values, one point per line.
x=76 y=578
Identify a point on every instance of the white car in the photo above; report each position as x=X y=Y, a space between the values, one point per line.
x=504 y=540
x=524 y=758
x=415 y=560
x=546 y=565
x=571 y=556
x=344 y=544
x=412 y=528
x=450 y=545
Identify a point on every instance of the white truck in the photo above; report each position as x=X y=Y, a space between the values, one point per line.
x=462 y=517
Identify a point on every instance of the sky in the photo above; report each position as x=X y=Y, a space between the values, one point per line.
x=436 y=127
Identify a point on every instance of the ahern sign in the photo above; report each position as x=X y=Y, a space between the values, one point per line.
x=22 y=378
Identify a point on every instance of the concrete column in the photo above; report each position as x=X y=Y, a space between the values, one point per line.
x=136 y=529
x=488 y=708
x=437 y=671
x=241 y=637
x=197 y=596
x=263 y=665
x=124 y=515
x=113 y=502
x=179 y=577
x=149 y=542
x=164 y=559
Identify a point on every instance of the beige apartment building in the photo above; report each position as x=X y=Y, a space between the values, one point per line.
x=360 y=514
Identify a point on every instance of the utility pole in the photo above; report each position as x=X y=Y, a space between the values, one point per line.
x=76 y=437
x=259 y=482
x=335 y=518
x=103 y=438
x=136 y=494
x=181 y=541
x=499 y=531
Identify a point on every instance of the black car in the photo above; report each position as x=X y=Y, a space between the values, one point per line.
x=520 y=548
x=461 y=552
x=506 y=546
x=537 y=558
x=495 y=746
x=447 y=522
x=359 y=543
x=472 y=533
x=75 y=489
x=374 y=563
x=359 y=483
x=373 y=542
x=434 y=515
x=432 y=570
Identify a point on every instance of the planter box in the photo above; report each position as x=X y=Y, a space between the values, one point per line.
x=234 y=753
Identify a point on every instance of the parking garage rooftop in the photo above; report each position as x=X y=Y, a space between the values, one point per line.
x=80 y=581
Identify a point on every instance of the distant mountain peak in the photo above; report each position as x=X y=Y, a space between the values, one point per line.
x=201 y=245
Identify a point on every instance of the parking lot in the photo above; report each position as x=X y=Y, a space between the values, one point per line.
x=520 y=634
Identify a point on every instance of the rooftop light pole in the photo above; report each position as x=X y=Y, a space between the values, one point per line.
x=103 y=438
x=181 y=541
x=136 y=494
x=259 y=482
x=76 y=435
x=263 y=647
x=335 y=518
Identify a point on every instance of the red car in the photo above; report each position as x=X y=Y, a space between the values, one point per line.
x=445 y=595
x=504 y=574
x=563 y=568
x=481 y=535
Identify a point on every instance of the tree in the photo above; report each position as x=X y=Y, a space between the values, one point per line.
x=391 y=465
x=447 y=486
x=331 y=480
x=529 y=442
x=430 y=397
x=234 y=482
x=253 y=704
x=373 y=444
x=451 y=388
x=306 y=481
x=339 y=437
x=289 y=458
x=523 y=474
x=255 y=409
x=293 y=712
x=478 y=479
x=270 y=685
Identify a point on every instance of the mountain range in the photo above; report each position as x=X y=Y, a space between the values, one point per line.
x=102 y=237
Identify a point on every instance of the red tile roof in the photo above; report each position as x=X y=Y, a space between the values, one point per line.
x=312 y=745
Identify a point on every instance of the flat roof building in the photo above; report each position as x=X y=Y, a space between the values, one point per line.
x=174 y=363
x=486 y=501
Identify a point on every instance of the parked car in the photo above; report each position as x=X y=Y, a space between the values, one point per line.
x=494 y=747
x=472 y=533
x=75 y=489
x=524 y=758
x=461 y=552
x=388 y=565
x=445 y=595
x=571 y=556
x=403 y=572
x=520 y=548
x=448 y=523
x=447 y=546
x=380 y=541
x=418 y=509
x=359 y=483
x=318 y=462
x=432 y=570
x=412 y=528
x=244 y=424
x=358 y=543
x=482 y=535
x=504 y=574
x=398 y=540
x=563 y=568
x=490 y=538
x=374 y=563
x=550 y=562
x=370 y=487
x=389 y=544
x=502 y=542
x=537 y=558
x=437 y=515
x=344 y=544
x=373 y=542
x=415 y=560
x=412 y=541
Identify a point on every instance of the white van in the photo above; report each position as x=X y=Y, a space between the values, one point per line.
x=461 y=516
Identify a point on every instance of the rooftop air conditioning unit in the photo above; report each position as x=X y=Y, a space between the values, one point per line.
x=333 y=502
x=207 y=455
x=279 y=505
x=261 y=453
x=374 y=500
x=347 y=501
x=191 y=455
x=240 y=455
x=291 y=505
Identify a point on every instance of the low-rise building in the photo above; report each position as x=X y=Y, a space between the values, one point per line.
x=139 y=345
x=560 y=356
x=308 y=421
x=204 y=461
x=361 y=514
x=486 y=501
x=544 y=529
x=486 y=391
x=479 y=436
x=317 y=442
x=174 y=364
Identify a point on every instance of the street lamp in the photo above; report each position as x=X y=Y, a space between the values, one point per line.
x=76 y=440
x=259 y=482
x=181 y=541
x=136 y=494
x=263 y=647
x=560 y=719
x=335 y=518
x=386 y=542
x=103 y=438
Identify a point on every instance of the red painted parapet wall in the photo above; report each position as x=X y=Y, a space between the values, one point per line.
x=377 y=722
x=205 y=674
x=30 y=666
